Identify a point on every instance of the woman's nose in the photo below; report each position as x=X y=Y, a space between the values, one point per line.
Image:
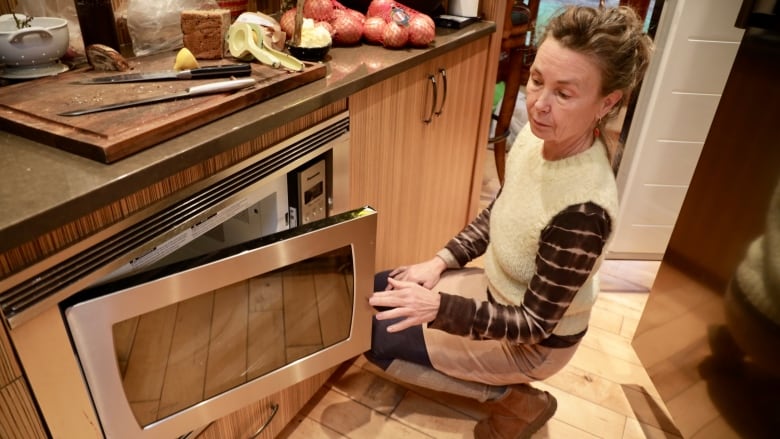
x=542 y=102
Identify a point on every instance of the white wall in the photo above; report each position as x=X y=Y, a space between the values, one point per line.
x=696 y=43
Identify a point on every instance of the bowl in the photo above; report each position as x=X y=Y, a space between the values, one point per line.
x=308 y=53
x=45 y=41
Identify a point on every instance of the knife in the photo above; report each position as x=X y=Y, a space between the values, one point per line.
x=199 y=73
x=211 y=88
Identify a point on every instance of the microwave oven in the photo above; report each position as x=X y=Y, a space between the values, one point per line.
x=200 y=307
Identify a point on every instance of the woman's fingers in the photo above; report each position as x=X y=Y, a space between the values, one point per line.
x=397 y=271
x=385 y=299
x=400 y=283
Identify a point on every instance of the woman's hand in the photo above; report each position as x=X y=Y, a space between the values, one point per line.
x=425 y=273
x=408 y=300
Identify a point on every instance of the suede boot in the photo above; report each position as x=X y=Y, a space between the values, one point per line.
x=518 y=414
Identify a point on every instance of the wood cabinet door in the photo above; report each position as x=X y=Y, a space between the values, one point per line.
x=266 y=418
x=418 y=175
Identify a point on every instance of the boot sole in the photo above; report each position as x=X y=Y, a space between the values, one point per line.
x=540 y=420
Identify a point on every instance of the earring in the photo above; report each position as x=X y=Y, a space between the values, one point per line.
x=597 y=131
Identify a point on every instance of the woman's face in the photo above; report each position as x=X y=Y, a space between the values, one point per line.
x=563 y=98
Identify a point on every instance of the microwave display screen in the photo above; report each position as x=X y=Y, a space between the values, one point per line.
x=313 y=192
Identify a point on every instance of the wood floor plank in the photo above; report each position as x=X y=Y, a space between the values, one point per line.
x=265 y=343
x=333 y=304
x=301 y=318
x=357 y=421
x=265 y=293
x=369 y=389
x=467 y=406
x=124 y=336
x=611 y=344
x=436 y=420
x=606 y=319
x=585 y=415
x=694 y=409
x=638 y=430
x=265 y=332
x=302 y=427
x=559 y=429
x=186 y=369
x=678 y=334
x=228 y=339
x=592 y=388
x=717 y=429
x=143 y=380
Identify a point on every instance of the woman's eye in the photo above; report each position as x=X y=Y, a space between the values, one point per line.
x=563 y=95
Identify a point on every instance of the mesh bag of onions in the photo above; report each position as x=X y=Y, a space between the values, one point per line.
x=387 y=22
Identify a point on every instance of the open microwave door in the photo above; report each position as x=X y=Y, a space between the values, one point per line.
x=186 y=343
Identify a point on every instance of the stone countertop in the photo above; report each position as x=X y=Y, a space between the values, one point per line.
x=42 y=187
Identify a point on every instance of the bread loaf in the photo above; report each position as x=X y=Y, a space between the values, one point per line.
x=203 y=32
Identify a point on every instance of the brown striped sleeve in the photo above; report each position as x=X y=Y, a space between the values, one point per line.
x=568 y=249
x=472 y=241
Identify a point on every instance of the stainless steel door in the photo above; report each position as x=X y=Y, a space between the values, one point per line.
x=178 y=346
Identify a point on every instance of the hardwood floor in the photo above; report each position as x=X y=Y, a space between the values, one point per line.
x=604 y=392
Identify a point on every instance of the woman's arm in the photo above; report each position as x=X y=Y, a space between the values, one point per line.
x=470 y=243
x=568 y=249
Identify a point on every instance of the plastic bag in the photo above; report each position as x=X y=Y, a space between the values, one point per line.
x=155 y=25
x=56 y=8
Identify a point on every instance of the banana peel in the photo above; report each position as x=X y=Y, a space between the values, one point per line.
x=247 y=41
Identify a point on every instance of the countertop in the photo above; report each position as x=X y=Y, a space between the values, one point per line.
x=42 y=187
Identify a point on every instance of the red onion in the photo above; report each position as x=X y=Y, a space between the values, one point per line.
x=374 y=29
x=357 y=14
x=422 y=30
x=287 y=22
x=395 y=35
x=347 y=28
x=318 y=10
x=380 y=8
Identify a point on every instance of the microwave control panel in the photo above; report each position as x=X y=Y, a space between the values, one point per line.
x=311 y=192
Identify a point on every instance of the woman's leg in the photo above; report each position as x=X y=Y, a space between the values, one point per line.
x=516 y=410
x=487 y=361
x=386 y=347
x=404 y=356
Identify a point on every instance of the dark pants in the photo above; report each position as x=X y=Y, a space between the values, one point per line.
x=408 y=344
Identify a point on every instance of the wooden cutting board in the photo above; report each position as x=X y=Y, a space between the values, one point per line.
x=31 y=108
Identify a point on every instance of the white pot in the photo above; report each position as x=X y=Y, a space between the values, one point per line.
x=44 y=42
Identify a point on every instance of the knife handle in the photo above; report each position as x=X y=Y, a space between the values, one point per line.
x=221 y=86
x=218 y=71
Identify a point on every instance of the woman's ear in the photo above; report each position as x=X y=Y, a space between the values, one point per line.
x=610 y=101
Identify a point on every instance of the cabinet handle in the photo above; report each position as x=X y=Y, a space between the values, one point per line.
x=274 y=409
x=428 y=119
x=443 y=74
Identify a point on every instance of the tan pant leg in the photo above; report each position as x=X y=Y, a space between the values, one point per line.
x=487 y=361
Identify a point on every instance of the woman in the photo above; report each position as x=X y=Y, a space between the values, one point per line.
x=487 y=334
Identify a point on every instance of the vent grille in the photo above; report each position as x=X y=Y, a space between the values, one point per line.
x=24 y=295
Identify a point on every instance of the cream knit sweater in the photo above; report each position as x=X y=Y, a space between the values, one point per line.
x=534 y=192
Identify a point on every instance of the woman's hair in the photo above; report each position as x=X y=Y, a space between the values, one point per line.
x=614 y=39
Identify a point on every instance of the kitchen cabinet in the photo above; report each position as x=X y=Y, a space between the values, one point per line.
x=266 y=418
x=418 y=174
